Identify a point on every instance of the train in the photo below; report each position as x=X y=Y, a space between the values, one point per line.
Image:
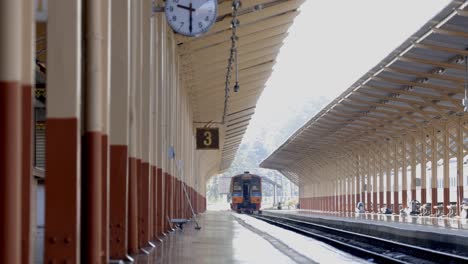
x=246 y=193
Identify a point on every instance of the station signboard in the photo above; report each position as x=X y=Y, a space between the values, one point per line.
x=207 y=138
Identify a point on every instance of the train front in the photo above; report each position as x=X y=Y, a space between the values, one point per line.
x=246 y=193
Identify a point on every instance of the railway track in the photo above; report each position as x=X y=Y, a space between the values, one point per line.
x=373 y=249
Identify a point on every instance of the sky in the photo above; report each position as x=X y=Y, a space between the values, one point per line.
x=330 y=46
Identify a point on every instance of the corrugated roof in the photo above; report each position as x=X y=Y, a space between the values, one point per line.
x=419 y=83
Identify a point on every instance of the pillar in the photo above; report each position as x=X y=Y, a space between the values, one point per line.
x=63 y=138
x=11 y=111
x=358 y=180
x=374 y=185
x=388 y=177
x=28 y=205
x=404 y=178
x=105 y=53
x=460 y=157
x=353 y=187
x=413 y=168
x=144 y=122
x=119 y=127
x=350 y=193
x=93 y=83
x=154 y=124
x=134 y=162
x=446 y=168
x=344 y=194
x=160 y=54
x=368 y=183
x=336 y=195
x=381 y=179
x=423 y=168
x=434 y=169
x=362 y=180
x=396 y=209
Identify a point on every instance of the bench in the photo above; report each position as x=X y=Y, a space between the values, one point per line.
x=179 y=222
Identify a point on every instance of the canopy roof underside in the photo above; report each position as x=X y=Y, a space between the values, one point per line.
x=263 y=28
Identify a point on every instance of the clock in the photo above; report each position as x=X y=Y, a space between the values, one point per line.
x=191 y=17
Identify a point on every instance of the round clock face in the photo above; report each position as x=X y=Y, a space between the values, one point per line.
x=191 y=17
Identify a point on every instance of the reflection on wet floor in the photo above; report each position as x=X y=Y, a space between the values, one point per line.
x=221 y=240
x=439 y=222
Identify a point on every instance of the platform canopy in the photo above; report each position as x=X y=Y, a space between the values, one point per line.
x=263 y=28
x=420 y=84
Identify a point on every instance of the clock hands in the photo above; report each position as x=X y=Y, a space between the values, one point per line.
x=191 y=10
x=186 y=7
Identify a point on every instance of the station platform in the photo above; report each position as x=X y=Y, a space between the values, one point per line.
x=227 y=237
x=419 y=230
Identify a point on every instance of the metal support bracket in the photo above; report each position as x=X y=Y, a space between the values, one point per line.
x=158 y=9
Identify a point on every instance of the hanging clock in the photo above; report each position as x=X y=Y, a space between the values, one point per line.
x=191 y=17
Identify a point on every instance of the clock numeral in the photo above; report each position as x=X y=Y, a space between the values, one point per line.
x=200 y=24
x=174 y=18
x=175 y=1
x=207 y=18
x=171 y=9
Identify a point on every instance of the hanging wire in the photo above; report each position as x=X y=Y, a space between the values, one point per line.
x=465 y=101
x=236 y=4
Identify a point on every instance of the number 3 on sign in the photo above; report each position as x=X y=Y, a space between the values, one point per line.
x=208 y=140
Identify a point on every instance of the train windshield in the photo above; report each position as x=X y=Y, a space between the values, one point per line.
x=237 y=186
x=255 y=185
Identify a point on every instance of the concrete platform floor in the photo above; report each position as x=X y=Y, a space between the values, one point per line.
x=228 y=238
x=439 y=233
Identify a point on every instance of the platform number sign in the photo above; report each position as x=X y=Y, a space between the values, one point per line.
x=207 y=138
